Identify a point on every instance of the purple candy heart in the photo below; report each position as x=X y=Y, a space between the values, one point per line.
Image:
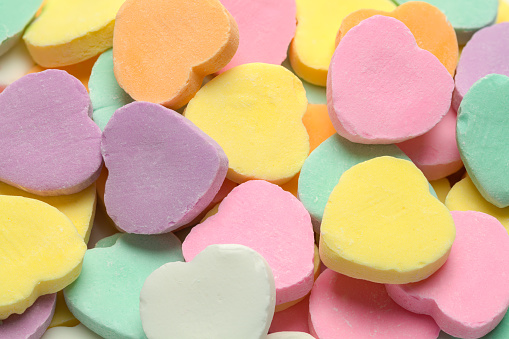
x=48 y=142
x=163 y=170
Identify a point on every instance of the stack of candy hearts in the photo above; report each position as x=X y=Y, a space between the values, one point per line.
x=254 y=169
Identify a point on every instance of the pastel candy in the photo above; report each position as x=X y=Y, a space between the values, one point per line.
x=382 y=224
x=44 y=252
x=442 y=188
x=236 y=290
x=436 y=153
x=105 y=297
x=33 y=322
x=62 y=315
x=145 y=147
x=294 y=318
x=45 y=116
x=503 y=11
x=483 y=113
x=76 y=332
x=260 y=109
x=289 y=335
x=342 y=307
x=464 y=196
x=310 y=56
x=466 y=16
x=269 y=220
x=14 y=64
x=381 y=53
x=315 y=94
x=203 y=39
x=69 y=32
x=266 y=29
x=427 y=23
x=78 y=207
x=468 y=296
x=15 y=16
x=105 y=93
x=485 y=53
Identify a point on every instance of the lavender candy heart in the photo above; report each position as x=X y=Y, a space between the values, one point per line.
x=33 y=322
x=49 y=145
x=163 y=170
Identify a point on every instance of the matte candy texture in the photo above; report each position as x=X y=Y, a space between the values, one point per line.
x=236 y=291
x=76 y=332
x=255 y=112
x=468 y=296
x=266 y=29
x=382 y=224
x=105 y=93
x=342 y=307
x=427 y=23
x=105 y=297
x=485 y=53
x=503 y=11
x=69 y=32
x=15 y=16
x=315 y=94
x=147 y=147
x=289 y=335
x=32 y=323
x=436 y=153
x=409 y=89
x=466 y=16
x=79 y=207
x=464 y=196
x=203 y=39
x=294 y=318
x=62 y=316
x=43 y=252
x=310 y=56
x=482 y=136
x=14 y=64
x=324 y=166
x=45 y=116
x=269 y=220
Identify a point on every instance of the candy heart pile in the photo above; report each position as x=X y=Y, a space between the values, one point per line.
x=260 y=169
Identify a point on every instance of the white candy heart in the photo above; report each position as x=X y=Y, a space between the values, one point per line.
x=290 y=335
x=76 y=332
x=225 y=292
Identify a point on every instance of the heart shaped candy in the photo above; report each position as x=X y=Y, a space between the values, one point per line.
x=15 y=16
x=76 y=332
x=163 y=170
x=50 y=146
x=274 y=223
x=226 y=292
x=409 y=89
x=289 y=335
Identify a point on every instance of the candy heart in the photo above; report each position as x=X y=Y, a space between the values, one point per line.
x=76 y=332
x=468 y=296
x=483 y=113
x=503 y=11
x=266 y=29
x=145 y=147
x=203 y=39
x=315 y=94
x=442 y=188
x=289 y=335
x=409 y=89
x=105 y=93
x=236 y=290
x=69 y=32
x=466 y=16
x=269 y=220
x=427 y=23
x=260 y=108
x=464 y=196
x=381 y=224
x=33 y=322
x=15 y=16
x=79 y=207
x=294 y=318
x=14 y=64
x=43 y=252
x=310 y=56
x=105 y=297
x=342 y=307
x=485 y=53
x=49 y=144
x=62 y=316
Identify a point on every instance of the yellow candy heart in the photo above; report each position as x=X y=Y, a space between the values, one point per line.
x=382 y=224
x=68 y=32
x=40 y=252
x=442 y=188
x=254 y=112
x=318 y=23
x=464 y=196
x=79 y=207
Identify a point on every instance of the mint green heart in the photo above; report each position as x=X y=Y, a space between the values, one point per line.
x=15 y=15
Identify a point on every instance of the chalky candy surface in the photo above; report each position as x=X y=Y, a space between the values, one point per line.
x=146 y=147
x=479 y=261
x=289 y=335
x=50 y=145
x=15 y=16
x=294 y=318
x=76 y=332
x=14 y=64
